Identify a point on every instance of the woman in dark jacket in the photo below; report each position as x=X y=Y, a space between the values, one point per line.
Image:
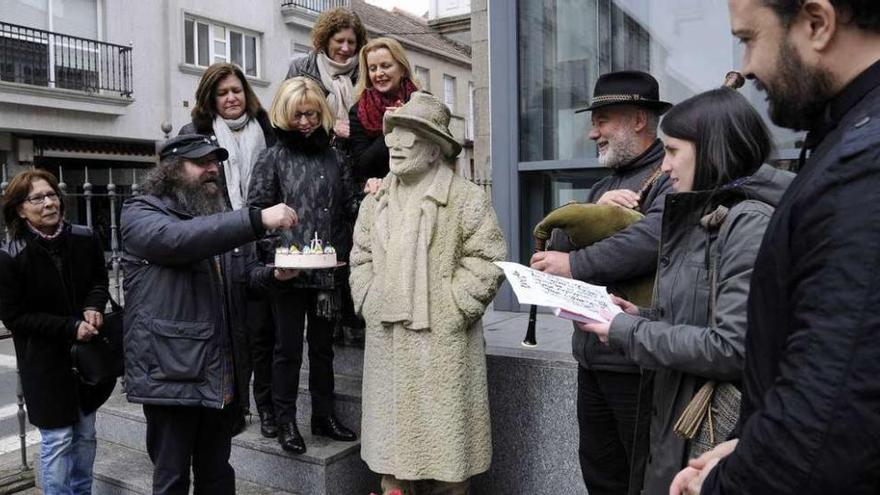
x=384 y=84
x=333 y=63
x=305 y=172
x=712 y=227
x=228 y=110
x=53 y=291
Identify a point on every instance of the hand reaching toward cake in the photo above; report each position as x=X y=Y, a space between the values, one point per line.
x=279 y=216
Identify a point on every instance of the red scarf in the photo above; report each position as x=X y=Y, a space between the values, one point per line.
x=372 y=105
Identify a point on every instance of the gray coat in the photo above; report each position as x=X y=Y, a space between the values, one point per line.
x=307 y=65
x=180 y=312
x=682 y=344
x=630 y=253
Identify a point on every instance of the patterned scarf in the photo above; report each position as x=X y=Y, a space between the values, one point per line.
x=372 y=105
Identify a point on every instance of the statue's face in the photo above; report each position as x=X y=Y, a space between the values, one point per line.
x=411 y=154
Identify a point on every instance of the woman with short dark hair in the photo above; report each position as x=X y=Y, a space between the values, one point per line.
x=716 y=145
x=53 y=291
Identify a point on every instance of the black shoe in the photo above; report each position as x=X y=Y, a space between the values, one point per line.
x=290 y=439
x=329 y=426
x=240 y=423
x=268 y=426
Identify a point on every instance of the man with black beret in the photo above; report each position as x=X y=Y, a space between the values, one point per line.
x=188 y=263
x=626 y=109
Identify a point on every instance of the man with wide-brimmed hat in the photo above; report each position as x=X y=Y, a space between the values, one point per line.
x=626 y=109
x=421 y=276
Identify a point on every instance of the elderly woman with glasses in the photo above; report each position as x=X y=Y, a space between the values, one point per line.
x=305 y=172
x=53 y=291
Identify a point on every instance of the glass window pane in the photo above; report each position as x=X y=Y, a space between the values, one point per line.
x=31 y=13
x=449 y=92
x=204 y=57
x=236 y=49
x=565 y=44
x=424 y=77
x=188 y=42
x=220 y=49
x=219 y=33
x=250 y=58
x=75 y=17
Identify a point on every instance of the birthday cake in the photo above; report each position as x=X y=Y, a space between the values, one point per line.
x=314 y=255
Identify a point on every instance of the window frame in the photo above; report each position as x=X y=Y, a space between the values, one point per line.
x=446 y=93
x=426 y=81
x=191 y=57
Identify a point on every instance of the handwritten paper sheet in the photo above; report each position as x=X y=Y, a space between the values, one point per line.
x=570 y=299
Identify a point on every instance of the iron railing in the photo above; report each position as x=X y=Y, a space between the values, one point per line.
x=44 y=58
x=317 y=6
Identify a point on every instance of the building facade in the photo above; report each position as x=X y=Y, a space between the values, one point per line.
x=87 y=87
x=544 y=59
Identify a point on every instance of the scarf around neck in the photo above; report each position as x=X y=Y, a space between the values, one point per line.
x=372 y=105
x=336 y=78
x=244 y=140
x=406 y=232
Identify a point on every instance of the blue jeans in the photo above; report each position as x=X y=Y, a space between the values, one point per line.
x=66 y=457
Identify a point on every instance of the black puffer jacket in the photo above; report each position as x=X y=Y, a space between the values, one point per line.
x=310 y=177
x=369 y=155
x=42 y=307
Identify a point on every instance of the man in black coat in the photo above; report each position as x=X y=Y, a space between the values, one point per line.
x=810 y=420
x=188 y=265
x=613 y=428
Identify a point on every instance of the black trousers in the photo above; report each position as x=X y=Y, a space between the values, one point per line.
x=614 y=436
x=291 y=309
x=261 y=326
x=180 y=437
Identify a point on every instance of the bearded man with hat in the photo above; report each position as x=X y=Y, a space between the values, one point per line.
x=422 y=274
x=188 y=264
x=614 y=430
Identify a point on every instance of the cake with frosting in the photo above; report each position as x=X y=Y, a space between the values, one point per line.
x=314 y=255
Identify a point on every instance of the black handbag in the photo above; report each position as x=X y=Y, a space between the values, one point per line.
x=100 y=360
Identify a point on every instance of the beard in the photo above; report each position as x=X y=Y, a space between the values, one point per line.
x=798 y=94
x=622 y=149
x=198 y=197
x=417 y=164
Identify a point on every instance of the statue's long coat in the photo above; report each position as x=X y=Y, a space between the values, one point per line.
x=425 y=400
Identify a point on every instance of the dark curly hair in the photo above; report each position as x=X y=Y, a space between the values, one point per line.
x=865 y=14
x=205 y=109
x=331 y=22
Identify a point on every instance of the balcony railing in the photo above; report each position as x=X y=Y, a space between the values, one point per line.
x=43 y=58
x=316 y=6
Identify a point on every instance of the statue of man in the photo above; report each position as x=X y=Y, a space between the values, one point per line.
x=421 y=276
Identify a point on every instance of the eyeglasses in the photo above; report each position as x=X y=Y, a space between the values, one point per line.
x=402 y=139
x=39 y=199
x=309 y=115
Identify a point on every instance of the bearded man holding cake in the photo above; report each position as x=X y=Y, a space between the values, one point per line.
x=303 y=171
x=422 y=274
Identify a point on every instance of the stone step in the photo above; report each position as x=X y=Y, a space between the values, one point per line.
x=123 y=471
x=347 y=404
x=328 y=467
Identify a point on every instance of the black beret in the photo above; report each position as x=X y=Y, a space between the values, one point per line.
x=192 y=146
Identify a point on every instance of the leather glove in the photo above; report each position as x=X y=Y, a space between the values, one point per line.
x=327 y=304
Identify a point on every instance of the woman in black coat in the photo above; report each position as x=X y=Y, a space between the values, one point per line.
x=305 y=172
x=53 y=291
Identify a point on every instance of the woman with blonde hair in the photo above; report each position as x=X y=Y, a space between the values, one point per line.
x=385 y=83
x=305 y=172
